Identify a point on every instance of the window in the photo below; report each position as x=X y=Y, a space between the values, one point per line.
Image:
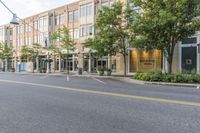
x=26 y=27
x=35 y=25
x=30 y=41
x=57 y=22
x=76 y=34
x=21 y=29
x=17 y=30
x=86 y=10
x=70 y=17
x=71 y=34
x=11 y=32
x=76 y=15
x=62 y=19
x=50 y=20
x=82 y=31
x=26 y=41
x=192 y=40
x=105 y=4
x=29 y=29
x=89 y=30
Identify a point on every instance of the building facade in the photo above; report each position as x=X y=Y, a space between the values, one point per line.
x=80 y=18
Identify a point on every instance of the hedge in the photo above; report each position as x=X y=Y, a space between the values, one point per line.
x=163 y=77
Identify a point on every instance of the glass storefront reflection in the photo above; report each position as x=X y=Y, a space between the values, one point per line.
x=145 y=61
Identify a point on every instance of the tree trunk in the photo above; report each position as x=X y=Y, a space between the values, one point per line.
x=109 y=62
x=124 y=55
x=67 y=62
x=6 y=65
x=37 y=64
x=33 y=66
x=170 y=55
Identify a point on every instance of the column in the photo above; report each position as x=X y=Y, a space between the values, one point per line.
x=37 y=64
x=109 y=62
x=48 y=63
x=59 y=69
x=89 y=63
x=73 y=62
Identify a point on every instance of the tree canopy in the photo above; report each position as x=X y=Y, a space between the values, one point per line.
x=6 y=52
x=164 y=23
x=112 y=31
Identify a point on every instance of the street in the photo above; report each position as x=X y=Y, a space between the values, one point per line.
x=56 y=104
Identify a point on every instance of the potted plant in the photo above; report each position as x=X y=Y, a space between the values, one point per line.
x=12 y=69
x=108 y=72
x=101 y=71
x=44 y=70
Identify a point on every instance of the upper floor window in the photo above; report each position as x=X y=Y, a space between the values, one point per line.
x=71 y=34
x=57 y=21
x=82 y=31
x=89 y=30
x=105 y=4
x=21 y=29
x=86 y=10
x=76 y=34
x=17 y=30
x=62 y=19
x=70 y=17
x=26 y=27
x=76 y=15
x=35 y=25
x=11 y=32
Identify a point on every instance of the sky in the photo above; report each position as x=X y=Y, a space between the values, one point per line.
x=25 y=8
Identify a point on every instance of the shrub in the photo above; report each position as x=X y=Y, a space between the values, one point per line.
x=163 y=77
x=156 y=76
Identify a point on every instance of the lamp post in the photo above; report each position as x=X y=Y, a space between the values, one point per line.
x=15 y=21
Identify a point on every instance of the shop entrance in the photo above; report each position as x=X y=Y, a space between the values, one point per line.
x=189 y=59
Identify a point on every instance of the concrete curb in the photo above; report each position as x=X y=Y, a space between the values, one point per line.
x=174 y=84
x=129 y=80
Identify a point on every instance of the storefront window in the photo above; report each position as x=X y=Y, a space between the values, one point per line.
x=145 y=61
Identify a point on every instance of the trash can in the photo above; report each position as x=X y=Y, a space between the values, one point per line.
x=80 y=71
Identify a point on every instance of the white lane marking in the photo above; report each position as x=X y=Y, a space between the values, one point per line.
x=67 y=78
x=43 y=77
x=99 y=80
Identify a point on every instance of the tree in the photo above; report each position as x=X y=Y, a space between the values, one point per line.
x=31 y=53
x=55 y=50
x=164 y=23
x=112 y=31
x=66 y=42
x=6 y=53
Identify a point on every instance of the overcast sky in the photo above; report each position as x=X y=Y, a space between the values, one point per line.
x=25 y=8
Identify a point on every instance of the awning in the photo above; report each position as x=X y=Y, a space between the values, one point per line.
x=64 y=51
x=88 y=50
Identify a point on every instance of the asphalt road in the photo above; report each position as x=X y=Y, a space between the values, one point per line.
x=54 y=104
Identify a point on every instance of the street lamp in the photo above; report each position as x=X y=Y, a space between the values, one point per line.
x=15 y=21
